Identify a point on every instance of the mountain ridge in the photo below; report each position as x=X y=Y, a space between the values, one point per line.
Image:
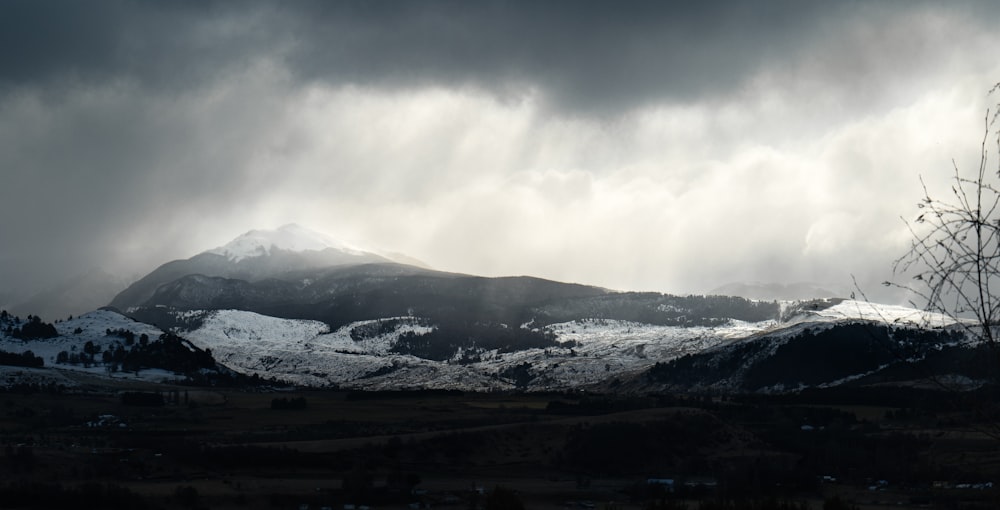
x=818 y=344
x=289 y=237
x=255 y=255
x=303 y=308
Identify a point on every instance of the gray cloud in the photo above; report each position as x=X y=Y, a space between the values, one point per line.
x=657 y=146
x=163 y=46
x=586 y=56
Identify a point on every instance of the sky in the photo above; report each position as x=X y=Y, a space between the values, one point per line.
x=666 y=146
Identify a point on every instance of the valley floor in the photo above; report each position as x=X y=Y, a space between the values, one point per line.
x=218 y=448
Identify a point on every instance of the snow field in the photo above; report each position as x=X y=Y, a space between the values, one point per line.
x=93 y=327
x=306 y=352
x=292 y=237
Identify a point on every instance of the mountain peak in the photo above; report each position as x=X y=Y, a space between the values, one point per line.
x=290 y=237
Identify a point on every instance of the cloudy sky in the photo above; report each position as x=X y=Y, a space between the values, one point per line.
x=634 y=145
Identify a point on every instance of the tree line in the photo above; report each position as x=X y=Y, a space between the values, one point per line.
x=168 y=352
x=31 y=329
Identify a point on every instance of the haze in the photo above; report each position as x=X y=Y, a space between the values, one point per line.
x=639 y=146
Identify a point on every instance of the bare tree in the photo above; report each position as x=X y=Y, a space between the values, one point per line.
x=953 y=263
x=952 y=271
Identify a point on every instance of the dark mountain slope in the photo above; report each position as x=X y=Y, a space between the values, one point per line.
x=659 y=309
x=339 y=296
x=832 y=354
x=249 y=269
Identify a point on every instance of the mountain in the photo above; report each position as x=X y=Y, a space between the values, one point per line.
x=833 y=344
x=411 y=352
x=464 y=316
x=297 y=306
x=615 y=342
x=342 y=294
x=464 y=332
x=578 y=336
x=101 y=343
x=257 y=244
x=587 y=339
x=253 y=256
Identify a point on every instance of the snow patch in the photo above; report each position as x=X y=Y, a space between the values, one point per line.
x=300 y=351
x=73 y=335
x=307 y=352
x=892 y=314
x=291 y=237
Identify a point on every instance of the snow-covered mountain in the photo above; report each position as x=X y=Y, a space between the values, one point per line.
x=850 y=342
x=822 y=343
x=669 y=343
x=290 y=237
x=374 y=354
x=253 y=256
x=102 y=343
x=300 y=307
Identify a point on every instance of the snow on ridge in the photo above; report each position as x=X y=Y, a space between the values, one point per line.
x=73 y=335
x=604 y=348
x=864 y=310
x=291 y=237
x=220 y=327
x=361 y=354
x=308 y=352
x=94 y=325
x=299 y=351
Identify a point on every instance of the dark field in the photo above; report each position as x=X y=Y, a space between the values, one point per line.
x=185 y=447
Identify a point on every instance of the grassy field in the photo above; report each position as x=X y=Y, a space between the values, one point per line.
x=215 y=448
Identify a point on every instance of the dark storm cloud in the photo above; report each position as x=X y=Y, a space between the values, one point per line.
x=587 y=56
x=87 y=169
x=539 y=137
x=161 y=45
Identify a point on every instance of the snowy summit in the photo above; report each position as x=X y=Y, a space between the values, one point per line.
x=291 y=237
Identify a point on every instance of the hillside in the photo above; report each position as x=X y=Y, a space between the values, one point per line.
x=851 y=342
x=107 y=344
x=253 y=256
